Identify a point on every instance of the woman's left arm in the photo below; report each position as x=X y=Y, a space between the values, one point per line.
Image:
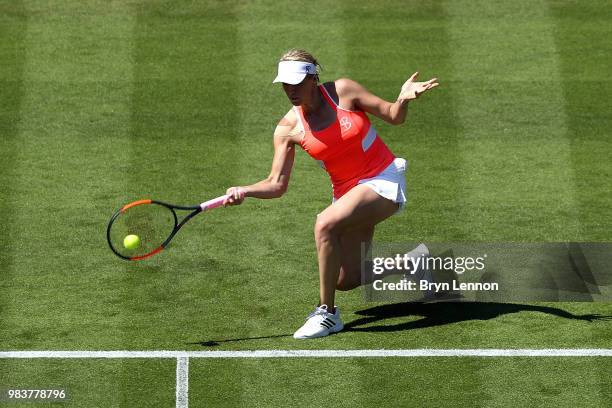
x=394 y=113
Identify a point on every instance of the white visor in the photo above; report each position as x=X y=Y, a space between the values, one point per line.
x=294 y=72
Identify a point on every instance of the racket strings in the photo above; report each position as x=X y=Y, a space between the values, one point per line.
x=152 y=223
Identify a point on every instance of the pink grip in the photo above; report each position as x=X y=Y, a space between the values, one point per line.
x=214 y=203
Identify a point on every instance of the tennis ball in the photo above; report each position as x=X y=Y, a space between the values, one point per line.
x=131 y=241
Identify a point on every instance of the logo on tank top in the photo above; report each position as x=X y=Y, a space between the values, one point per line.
x=345 y=123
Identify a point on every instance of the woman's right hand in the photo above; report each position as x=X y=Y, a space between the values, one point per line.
x=236 y=196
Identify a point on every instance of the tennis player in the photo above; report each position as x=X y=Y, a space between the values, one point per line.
x=330 y=123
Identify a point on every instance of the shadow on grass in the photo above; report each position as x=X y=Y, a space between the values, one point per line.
x=213 y=343
x=437 y=314
x=434 y=314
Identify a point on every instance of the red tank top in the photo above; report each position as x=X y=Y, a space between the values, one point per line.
x=349 y=149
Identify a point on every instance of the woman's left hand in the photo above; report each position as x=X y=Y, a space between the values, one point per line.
x=411 y=89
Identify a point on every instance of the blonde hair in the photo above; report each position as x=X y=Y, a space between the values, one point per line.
x=296 y=54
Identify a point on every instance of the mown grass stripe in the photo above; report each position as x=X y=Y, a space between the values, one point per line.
x=281 y=247
x=183 y=138
x=517 y=180
x=280 y=241
x=70 y=164
x=402 y=38
x=386 y=43
x=585 y=54
x=13 y=24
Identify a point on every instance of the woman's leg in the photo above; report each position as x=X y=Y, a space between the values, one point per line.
x=351 y=275
x=350 y=256
x=359 y=209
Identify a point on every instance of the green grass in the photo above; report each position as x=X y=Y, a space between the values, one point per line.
x=102 y=103
x=95 y=382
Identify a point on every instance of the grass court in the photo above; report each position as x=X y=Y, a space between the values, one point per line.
x=105 y=102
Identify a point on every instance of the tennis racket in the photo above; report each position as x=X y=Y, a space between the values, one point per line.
x=154 y=222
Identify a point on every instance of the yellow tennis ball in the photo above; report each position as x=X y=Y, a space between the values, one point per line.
x=131 y=241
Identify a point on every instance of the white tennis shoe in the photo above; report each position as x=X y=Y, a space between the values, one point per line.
x=422 y=271
x=320 y=323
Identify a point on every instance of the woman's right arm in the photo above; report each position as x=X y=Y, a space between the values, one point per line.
x=276 y=183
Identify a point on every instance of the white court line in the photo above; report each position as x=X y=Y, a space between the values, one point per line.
x=182 y=382
x=182 y=357
x=313 y=353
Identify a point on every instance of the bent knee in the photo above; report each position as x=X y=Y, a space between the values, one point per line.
x=325 y=227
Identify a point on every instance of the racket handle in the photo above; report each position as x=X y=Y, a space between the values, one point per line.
x=214 y=203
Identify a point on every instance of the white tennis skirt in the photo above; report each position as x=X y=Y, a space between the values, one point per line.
x=391 y=182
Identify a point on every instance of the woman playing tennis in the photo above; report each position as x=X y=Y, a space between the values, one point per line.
x=329 y=122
